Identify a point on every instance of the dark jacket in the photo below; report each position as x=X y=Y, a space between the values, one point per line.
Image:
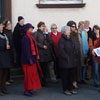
x=17 y=36
x=41 y=40
x=26 y=55
x=75 y=39
x=4 y=54
x=89 y=32
x=10 y=38
x=67 y=52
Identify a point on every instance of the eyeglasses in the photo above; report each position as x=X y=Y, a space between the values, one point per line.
x=53 y=28
x=73 y=26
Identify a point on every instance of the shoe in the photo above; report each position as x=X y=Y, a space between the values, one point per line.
x=1 y=93
x=67 y=93
x=8 y=83
x=75 y=85
x=4 y=90
x=28 y=94
x=33 y=92
x=73 y=92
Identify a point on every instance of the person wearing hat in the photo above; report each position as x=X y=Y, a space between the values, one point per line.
x=17 y=36
x=8 y=31
x=4 y=59
x=30 y=62
x=67 y=60
x=74 y=34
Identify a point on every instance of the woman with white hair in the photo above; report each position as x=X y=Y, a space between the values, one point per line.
x=67 y=60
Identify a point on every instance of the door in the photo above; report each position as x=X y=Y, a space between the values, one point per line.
x=2 y=10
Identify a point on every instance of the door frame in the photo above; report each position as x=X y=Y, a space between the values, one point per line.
x=6 y=10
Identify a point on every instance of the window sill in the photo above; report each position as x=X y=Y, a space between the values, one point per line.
x=61 y=5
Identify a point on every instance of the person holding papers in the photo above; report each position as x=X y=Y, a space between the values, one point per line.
x=92 y=43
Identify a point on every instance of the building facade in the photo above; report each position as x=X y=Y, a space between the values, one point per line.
x=52 y=12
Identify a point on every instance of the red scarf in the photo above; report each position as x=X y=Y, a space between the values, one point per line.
x=33 y=46
x=34 y=52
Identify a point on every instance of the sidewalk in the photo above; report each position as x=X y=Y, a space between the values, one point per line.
x=52 y=92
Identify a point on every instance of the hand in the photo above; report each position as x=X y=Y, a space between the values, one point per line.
x=8 y=47
x=45 y=47
x=93 y=53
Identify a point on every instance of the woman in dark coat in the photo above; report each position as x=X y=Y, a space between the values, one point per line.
x=17 y=36
x=8 y=32
x=74 y=33
x=45 y=44
x=29 y=61
x=67 y=60
x=4 y=60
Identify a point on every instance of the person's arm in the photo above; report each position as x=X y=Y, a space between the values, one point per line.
x=40 y=45
x=2 y=44
x=91 y=44
x=97 y=44
x=26 y=47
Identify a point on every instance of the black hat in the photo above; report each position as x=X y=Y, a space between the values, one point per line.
x=20 y=18
x=70 y=23
x=27 y=26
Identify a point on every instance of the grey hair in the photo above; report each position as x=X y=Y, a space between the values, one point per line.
x=64 y=29
x=53 y=25
x=80 y=23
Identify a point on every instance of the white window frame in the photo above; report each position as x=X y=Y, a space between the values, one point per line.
x=61 y=1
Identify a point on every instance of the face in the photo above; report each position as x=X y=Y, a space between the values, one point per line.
x=87 y=24
x=54 y=29
x=1 y=27
x=68 y=32
x=21 y=22
x=9 y=27
x=73 y=28
x=82 y=27
x=46 y=29
x=96 y=31
x=42 y=28
x=30 y=30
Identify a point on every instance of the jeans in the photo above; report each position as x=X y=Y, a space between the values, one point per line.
x=83 y=73
x=96 y=72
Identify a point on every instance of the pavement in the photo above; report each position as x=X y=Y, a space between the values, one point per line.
x=52 y=92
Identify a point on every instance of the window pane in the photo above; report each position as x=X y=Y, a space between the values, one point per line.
x=60 y=1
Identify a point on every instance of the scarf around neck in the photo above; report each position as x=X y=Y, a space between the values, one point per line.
x=84 y=42
x=3 y=36
x=34 y=48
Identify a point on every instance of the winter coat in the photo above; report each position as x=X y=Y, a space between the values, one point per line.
x=46 y=55
x=17 y=36
x=10 y=38
x=4 y=53
x=55 y=39
x=67 y=52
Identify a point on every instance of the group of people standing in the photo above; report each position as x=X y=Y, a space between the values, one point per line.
x=67 y=54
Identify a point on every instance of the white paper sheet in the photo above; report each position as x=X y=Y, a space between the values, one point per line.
x=97 y=51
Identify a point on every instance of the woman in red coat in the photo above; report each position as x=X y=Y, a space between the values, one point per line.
x=29 y=61
x=55 y=35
